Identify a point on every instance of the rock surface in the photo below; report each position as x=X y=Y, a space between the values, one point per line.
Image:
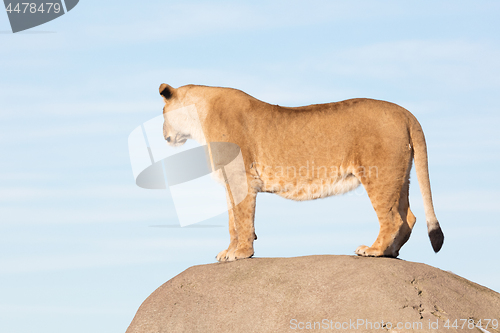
x=317 y=294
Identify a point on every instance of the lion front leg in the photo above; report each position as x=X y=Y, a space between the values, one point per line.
x=224 y=255
x=241 y=230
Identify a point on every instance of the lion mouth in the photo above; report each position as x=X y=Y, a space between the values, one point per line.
x=178 y=141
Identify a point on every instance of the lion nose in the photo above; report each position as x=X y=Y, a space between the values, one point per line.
x=168 y=139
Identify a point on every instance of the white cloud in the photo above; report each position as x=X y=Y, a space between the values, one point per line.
x=20 y=194
x=167 y=21
x=81 y=215
x=447 y=63
x=84 y=108
x=108 y=253
x=30 y=310
x=170 y=21
x=110 y=204
x=469 y=201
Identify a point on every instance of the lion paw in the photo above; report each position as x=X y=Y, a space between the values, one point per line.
x=221 y=256
x=243 y=253
x=232 y=254
x=366 y=251
x=224 y=255
x=239 y=254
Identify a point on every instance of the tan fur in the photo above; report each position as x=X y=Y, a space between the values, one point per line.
x=311 y=152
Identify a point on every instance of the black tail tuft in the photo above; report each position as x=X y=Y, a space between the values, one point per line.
x=437 y=238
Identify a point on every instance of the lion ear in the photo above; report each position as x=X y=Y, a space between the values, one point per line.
x=166 y=91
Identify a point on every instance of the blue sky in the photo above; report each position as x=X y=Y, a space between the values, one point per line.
x=79 y=250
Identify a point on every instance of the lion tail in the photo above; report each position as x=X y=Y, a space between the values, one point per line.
x=421 y=167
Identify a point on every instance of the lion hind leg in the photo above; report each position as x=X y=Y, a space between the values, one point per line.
x=406 y=216
x=389 y=240
x=390 y=201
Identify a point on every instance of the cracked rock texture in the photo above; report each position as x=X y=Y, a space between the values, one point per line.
x=291 y=294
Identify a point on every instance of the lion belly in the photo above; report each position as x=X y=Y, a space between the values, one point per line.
x=299 y=189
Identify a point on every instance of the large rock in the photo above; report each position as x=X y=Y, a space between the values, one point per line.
x=292 y=294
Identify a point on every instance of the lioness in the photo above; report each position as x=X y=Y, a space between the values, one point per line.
x=311 y=152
